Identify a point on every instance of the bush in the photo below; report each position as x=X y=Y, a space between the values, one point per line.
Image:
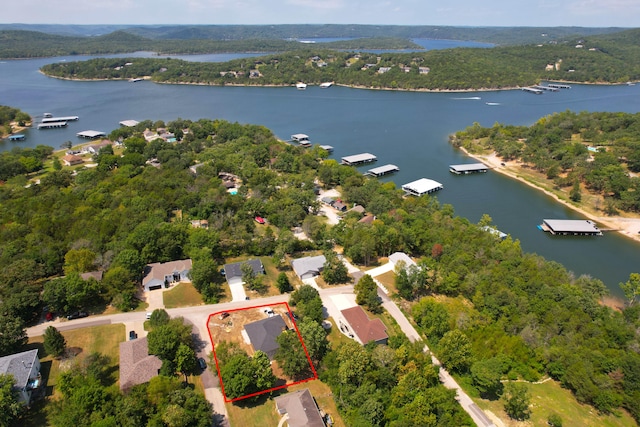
x=554 y=420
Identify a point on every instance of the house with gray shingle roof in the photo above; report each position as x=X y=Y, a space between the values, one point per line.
x=263 y=334
x=308 y=267
x=301 y=409
x=137 y=366
x=161 y=274
x=25 y=369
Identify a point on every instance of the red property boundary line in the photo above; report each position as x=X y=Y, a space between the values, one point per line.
x=295 y=326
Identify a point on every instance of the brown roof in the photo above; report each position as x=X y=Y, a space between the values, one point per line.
x=136 y=365
x=158 y=270
x=365 y=328
x=89 y=274
x=301 y=408
x=367 y=219
x=72 y=159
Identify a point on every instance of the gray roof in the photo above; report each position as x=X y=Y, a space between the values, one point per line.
x=301 y=408
x=234 y=269
x=422 y=186
x=311 y=264
x=263 y=334
x=381 y=170
x=396 y=257
x=358 y=158
x=469 y=167
x=571 y=225
x=19 y=365
x=137 y=366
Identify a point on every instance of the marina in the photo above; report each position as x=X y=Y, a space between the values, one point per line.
x=421 y=187
x=468 y=168
x=574 y=227
x=358 y=159
x=382 y=170
x=51 y=125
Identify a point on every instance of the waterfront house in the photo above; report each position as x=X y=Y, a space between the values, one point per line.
x=72 y=160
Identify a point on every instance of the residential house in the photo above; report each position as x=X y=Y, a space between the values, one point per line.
x=25 y=369
x=424 y=70
x=263 y=333
x=160 y=274
x=300 y=408
x=97 y=275
x=233 y=271
x=397 y=257
x=95 y=148
x=357 y=325
x=383 y=70
x=72 y=160
x=137 y=366
x=308 y=267
x=150 y=135
x=340 y=206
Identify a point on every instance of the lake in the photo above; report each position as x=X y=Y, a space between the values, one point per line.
x=408 y=129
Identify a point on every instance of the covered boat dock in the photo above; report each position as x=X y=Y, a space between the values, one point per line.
x=358 y=159
x=91 y=134
x=299 y=137
x=468 y=168
x=17 y=137
x=60 y=119
x=421 y=186
x=328 y=148
x=52 y=125
x=575 y=227
x=382 y=170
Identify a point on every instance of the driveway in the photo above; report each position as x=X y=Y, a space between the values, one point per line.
x=237 y=292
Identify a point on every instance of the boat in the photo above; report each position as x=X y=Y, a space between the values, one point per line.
x=301 y=86
x=139 y=79
x=326 y=85
x=492 y=103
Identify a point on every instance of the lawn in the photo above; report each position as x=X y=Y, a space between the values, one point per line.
x=549 y=397
x=182 y=295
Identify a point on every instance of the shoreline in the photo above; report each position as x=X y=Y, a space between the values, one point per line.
x=626 y=226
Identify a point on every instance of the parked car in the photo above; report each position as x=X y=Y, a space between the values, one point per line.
x=49 y=316
x=260 y=220
x=292 y=316
x=149 y=313
x=269 y=312
x=132 y=335
x=202 y=364
x=77 y=315
x=223 y=315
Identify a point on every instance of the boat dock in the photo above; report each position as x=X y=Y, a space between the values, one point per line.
x=533 y=90
x=358 y=159
x=570 y=227
x=52 y=125
x=558 y=86
x=328 y=148
x=91 y=134
x=547 y=88
x=301 y=139
x=60 y=119
x=421 y=186
x=468 y=168
x=17 y=137
x=382 y=170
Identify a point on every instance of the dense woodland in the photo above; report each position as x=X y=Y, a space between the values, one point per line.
x=500 y=313
x=599 y=59
x=558 y=146
x=31 y=44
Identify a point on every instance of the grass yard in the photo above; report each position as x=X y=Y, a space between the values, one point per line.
x=550 y=397
x=182 y=295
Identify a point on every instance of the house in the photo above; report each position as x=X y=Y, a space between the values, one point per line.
x=95 y=148
x=97 y=275
x=397 y=257
x=357 y=324
x=301 y=409
x=358 y=208
x=161 y=274
x=137 y=366
x=72 y=160
x=340 y=206
x=25 y=369
x=263 y=333
x=367 y=219
x=424 y=70
x=308 y=267
x=383 y=70
x=150 y=135
x=233 y=272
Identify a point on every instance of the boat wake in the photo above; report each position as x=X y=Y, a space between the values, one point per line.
x=470 y=97
x=492 y=103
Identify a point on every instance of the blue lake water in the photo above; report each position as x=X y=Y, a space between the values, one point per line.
x=408 y=129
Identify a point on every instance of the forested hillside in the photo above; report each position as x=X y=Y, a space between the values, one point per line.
x=584 y=152
x=490 y=311
x=593 y=60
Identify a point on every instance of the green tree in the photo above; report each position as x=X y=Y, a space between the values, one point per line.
x=54 y=342
x=516 y=401
x=159 y=317
x=354 y=361
x=454 y=351
x=185 y=360
x=486 y=375
x=283 y=283
x=10 y=408
x=576 y=193
x=631 y=288
x=554 y=420
x=334 y=271
x=12 y=334
x=367 y=293
x=165 y=340
x=264 y=377
x=238 y=376
x=314 y=337
x=291 y=356
x=432 y=317
x=79 y=260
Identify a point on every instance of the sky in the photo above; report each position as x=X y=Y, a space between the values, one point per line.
x=533 y=13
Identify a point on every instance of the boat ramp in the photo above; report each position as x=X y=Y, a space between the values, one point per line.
x=570 y=227
x=382 y=170
x=468 y=168
x=358 y=159
x=421 y=186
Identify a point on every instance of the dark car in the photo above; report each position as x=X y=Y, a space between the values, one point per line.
x=77 y=315
x=132 y=335
x=292 y=316
x=224 y=315
x=202 y=364
x=49 y=316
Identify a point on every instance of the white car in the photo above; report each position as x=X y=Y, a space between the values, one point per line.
x=269 y=312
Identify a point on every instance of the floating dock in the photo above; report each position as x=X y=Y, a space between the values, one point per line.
x=60 y=119
x=52 y=125
x=129 y=123
x=558 y=86
x=328 y=148
x=91 y=134
x=382 y=170
x=299 y=137
x=547 y=88
x=358 y=159
x=421 y=186
x=570 y=227
x=468 y=168
x=533 y=90
x=17 y=137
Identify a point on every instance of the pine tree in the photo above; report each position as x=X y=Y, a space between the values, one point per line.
x=54 y=342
